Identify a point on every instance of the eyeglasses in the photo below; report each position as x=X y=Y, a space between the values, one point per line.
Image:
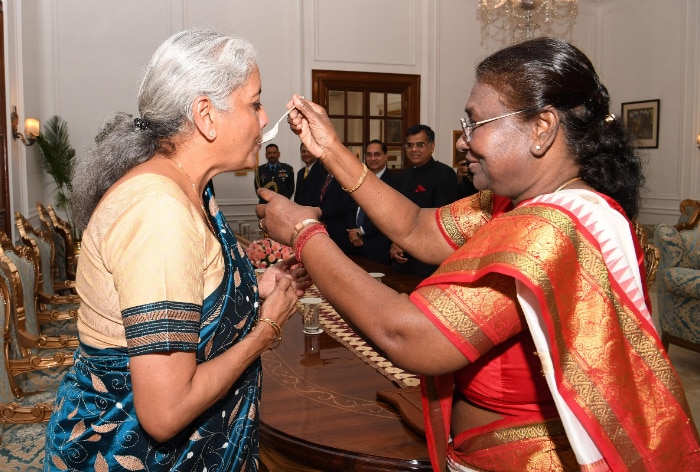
x=420 y=145
x=470 y=127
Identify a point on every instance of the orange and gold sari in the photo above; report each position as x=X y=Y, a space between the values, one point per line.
x=568 y=266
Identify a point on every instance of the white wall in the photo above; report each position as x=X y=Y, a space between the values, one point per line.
x=652 y=50
x=81 y=59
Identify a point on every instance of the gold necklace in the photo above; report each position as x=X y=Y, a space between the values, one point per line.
x=562 y=186
x=196 y=192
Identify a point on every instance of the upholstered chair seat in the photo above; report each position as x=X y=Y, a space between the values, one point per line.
x=678 y=286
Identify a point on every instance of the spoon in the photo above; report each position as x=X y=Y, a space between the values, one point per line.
x=272 y=132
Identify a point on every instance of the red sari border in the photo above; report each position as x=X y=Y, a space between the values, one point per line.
x=598 y=332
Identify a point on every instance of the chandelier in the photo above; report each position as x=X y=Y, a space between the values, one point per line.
x=523 y=19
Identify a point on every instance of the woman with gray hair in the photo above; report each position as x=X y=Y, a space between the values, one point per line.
x=167 y=376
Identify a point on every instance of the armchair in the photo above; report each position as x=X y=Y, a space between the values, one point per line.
x=51 y=305
x=22 y=420
x=64 y=272
x=690 y=214
x=66 y=230
x=678 y=286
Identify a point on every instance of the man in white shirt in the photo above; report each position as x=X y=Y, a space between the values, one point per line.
x=367 y=239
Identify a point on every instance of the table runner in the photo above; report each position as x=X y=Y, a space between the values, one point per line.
x=339 y=330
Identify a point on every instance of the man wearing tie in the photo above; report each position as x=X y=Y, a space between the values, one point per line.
x=275 y=175
x=335 y=204
x=310 y=180
x=368 y=241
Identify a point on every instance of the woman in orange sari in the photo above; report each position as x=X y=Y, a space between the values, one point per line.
x=534 y=336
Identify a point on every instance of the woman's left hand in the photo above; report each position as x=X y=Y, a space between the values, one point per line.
x=300 y=278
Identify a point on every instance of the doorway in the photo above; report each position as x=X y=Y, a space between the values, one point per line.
x=364 y=105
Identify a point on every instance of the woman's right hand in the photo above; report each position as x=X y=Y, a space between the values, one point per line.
x=311 y=123
x=280 y=304
x=279 y=215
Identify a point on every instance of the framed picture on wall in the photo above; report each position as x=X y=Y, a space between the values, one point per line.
x=457 y=155
x=642 y=119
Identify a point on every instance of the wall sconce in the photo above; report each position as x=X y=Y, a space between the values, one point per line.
x=31 y=128
x=698 y=140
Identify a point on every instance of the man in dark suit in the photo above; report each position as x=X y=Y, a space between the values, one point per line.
x=428 y=184
x=275 y=175
x=466 y=187
x=335 y=204
x=310 y=180
x=368 y=241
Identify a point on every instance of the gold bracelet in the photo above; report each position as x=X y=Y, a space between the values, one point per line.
x=278 y=331
x=300 y=226
x=360 y=181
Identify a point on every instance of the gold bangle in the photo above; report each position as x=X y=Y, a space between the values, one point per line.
x=300 y=226
x=278 y=331
x=360 y=181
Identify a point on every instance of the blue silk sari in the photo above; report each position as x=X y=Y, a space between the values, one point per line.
x=94 y=425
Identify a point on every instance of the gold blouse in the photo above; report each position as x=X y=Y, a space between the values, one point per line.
x=145 y=243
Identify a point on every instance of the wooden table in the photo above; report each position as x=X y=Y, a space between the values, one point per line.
x=404 y=283
x=319 y=411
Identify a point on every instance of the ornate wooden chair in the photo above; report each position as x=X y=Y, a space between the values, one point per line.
x=651 y=253
x=63 y=270
x=33 y=361
x=25 y=285
x=66 y=230
x=22 y=420
x=49 y=303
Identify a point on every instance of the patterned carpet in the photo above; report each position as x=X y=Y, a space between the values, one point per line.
x=22 y=448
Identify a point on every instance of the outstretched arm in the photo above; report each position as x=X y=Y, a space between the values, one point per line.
x=388 y=319
x=402 y=221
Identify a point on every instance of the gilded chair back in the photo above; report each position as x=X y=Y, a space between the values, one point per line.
x=51 y=305
x=42 y=245
x=59 y=244
x=19 y=270
x=13 y=411
x=32 y=362
x=66 y=230
x=22 y=420
x=34 y=331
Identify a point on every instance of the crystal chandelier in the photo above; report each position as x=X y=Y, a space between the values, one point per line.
x=523 y=19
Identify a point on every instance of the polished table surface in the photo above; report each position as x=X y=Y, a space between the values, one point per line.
x=319 y=410
x=405 y=283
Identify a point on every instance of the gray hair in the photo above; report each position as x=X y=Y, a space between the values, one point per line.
x=187 y=65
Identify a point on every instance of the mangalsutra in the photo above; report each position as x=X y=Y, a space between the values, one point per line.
x=196 y=192
x=562 y=186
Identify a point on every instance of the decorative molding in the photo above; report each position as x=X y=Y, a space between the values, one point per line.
x=341 y=28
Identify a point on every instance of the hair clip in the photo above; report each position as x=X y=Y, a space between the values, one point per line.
x=142 y=123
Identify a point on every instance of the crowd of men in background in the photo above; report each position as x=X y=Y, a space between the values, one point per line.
x=427 y=182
